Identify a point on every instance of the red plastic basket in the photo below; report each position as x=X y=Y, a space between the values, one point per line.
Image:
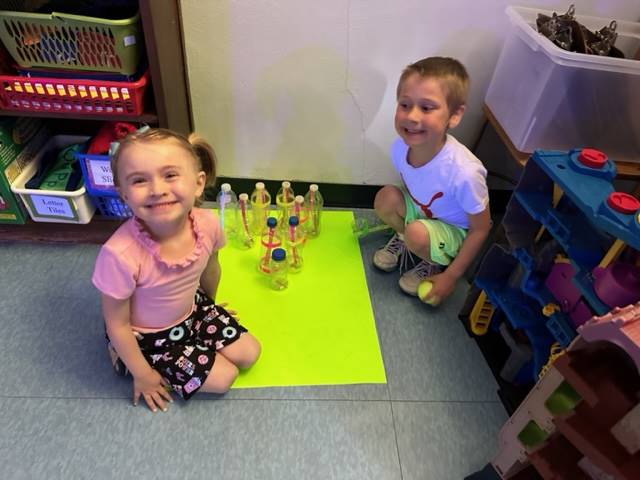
x=75 y=96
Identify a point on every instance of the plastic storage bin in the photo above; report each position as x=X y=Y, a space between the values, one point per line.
x=52 y=205
x=98 y=180
x=547 y=97
x=75 y=96
x=72 y=41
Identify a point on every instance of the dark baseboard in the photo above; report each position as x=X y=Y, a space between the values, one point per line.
x=335 y=194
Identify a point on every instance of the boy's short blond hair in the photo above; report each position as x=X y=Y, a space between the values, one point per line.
x=450 y=72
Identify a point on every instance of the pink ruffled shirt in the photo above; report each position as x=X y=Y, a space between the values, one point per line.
x=161 y=293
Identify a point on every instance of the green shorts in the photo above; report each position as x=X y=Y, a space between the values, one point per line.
x=445 y=239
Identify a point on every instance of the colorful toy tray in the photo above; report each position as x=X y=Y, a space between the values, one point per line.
x=75 y=96
x=72 y=41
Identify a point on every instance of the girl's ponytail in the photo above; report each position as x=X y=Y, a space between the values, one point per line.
x=206 y=155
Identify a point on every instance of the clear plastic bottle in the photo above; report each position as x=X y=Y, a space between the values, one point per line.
x=228 y=211
x=295 y=241
x=300 y=211
x=268 y=242
x=314 y=202
x=279 y=269
x=260 y=201
x=285 y=202
x=243 y=233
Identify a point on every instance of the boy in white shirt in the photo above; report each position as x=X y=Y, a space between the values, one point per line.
x=441 y=213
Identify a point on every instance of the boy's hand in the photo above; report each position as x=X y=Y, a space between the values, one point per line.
x=443 y=285
x=152 y=388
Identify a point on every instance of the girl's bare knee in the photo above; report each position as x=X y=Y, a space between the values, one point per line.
x=221 y=377
x=244 y=352
x=251 y=350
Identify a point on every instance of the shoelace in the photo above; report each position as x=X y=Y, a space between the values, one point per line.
x=396 y=246
x=424 y=269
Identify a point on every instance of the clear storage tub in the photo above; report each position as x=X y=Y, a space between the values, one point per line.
x=547 y=97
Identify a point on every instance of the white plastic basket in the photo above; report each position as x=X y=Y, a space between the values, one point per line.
x=547 y=97
x=52 y=205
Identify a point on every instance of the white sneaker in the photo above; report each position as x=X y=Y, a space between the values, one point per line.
x=409 y=281
x=388 y=257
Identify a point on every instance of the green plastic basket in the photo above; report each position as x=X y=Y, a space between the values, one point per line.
x=73 y=42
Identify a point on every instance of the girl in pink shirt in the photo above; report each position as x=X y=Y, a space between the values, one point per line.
x=159 y=272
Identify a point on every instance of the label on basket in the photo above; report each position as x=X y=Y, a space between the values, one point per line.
x=129 y=40
x=100 y=171
x=52 y=206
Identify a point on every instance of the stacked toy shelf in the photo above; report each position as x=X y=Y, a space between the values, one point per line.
x=565 y=229
x=582 y=418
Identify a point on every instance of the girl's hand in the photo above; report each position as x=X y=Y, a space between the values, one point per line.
x=443 y=285
x=232 y=312
x=152 y=388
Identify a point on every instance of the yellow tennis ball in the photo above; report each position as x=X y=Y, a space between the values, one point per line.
x=423 y=290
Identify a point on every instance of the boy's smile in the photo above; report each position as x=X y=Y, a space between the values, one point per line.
x=423 y=117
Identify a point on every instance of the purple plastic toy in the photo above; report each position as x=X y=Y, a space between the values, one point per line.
x=618 y=285
x=565 y=292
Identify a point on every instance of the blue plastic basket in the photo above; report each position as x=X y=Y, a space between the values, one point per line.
x=98 y=180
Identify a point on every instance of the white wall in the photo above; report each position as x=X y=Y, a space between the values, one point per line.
x=305 y=90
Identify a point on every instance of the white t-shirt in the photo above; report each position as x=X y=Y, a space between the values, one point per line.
x=448 y=188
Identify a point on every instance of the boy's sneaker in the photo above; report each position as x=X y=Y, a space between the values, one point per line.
x=409 y=281
x=118 y=365
x=388 y=257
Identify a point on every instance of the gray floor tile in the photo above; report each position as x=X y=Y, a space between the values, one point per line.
x=446 y=441
x=26 y=266
x=63 y=439
x=59 y=342
x=426 y=351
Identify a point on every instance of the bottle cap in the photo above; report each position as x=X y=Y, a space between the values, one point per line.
x=259 y=185
x=243 y=197
x=293 y=220
x=313 y=187
x=225 y=187
x=286 y=184
x=272 y=222
x=299 y=199
x=278 y=254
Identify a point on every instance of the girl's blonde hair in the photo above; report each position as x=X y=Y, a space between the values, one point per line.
x=201 y=151
x=451 y=74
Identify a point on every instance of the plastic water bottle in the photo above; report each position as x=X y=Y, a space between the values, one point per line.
x=294 y=241
x=285 y=201
x=300 y=211
x=278 y=266
x=243 y=233
x=269 y=241
x=228 y=211
x=314 y=203
x=260 y=201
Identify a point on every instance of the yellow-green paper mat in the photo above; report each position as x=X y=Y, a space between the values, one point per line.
x=320 y=330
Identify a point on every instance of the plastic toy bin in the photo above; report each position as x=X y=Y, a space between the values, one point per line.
x=73 y=42
x=98 y=180
x=547 y=97
x=74 y=96
x=52 y=205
